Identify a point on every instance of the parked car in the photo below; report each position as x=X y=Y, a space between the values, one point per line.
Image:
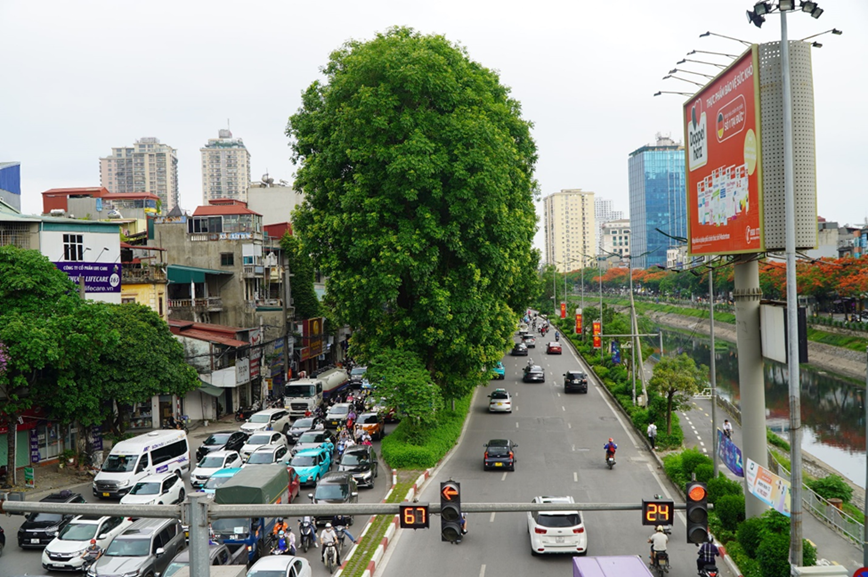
x=64 y=553
x=534 y=374
x=557 y=531
x=211 y=463
x=374 y=423
x=280 y=565
x=145 y=548
x=499 y=454
x=529 y=341
x=311 y=464
x=222 y=441
x=301 y=426
x=575 y=382
x=257 y=440
x=500 y=401
x=219 y=555
x=38 y=529
x=336 y=489
x=498 y=372
x=268 y=420
x=519 y=350
x=315 y=439
x=160 y=489
x=337 y=415
x=266 y=455
x=554 y=348
x=361 y=462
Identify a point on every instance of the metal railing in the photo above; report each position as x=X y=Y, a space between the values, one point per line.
x=210 y=304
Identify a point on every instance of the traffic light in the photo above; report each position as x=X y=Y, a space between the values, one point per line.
x=450 y=511
x=697 y=512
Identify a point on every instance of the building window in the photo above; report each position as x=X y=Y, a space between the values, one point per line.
x=128 y=300
x=73 y=247
x=227 y=259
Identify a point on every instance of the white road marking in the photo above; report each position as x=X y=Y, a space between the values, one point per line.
x=575 y=477
x=574 y=447
x=491 y=519
x=569 y=425
x=482 y=571
x=504 y=476
x=516 y=425
x=563 y=408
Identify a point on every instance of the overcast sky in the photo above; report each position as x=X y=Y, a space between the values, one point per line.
x=79 y=78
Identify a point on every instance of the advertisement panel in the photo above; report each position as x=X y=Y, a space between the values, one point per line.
x=772 y=490
x=579 y=323
x=598 y=341
x=563 y=310
x=724 y=168
x=99 y=277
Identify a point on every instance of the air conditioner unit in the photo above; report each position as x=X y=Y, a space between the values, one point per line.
x=57 y=212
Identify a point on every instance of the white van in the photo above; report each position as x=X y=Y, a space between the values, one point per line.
x=136 y=458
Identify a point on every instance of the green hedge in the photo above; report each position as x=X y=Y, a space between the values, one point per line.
x=400 y=453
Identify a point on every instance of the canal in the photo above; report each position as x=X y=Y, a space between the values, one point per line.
x=833 y=417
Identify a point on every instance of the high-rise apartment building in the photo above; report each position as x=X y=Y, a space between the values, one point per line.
x=147 y=166
x=225 y=168
x=658 y=201
x=615 y=237
x=604 y=211
x=570 y=229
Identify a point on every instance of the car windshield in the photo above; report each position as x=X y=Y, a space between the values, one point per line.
x=499 y=395
x=559 y=520
x=368 y=419
x=358 y=371
x=355 y=458
x=312 y=437
x=261 y=458
x=303 y=424
x=303 y=461
x=129 y=548
x=144 y=488
x=260 y=419
x=339 y=410
x=215 y=482
x=45 y=517
x=217 y=439
x=119 y=463
x=332 y=492
x=300 y=391
x=231 y=526
x=498 y=451
x=174 y=568
x=259 y=440
x=536 y=369
x=266 y=573
x=210 y=462
x=78 y=532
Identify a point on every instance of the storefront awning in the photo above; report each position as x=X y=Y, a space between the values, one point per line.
x=209 y=389
x=186 y=274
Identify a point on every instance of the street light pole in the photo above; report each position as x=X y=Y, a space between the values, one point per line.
x=713 y=372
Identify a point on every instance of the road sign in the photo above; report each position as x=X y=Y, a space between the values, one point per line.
x=414 y=515
x=658 y=512
x=449 y=492
x=862 y=572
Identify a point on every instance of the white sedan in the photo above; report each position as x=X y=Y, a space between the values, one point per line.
x=211 y=463
x=557 y=531
x=261 y=439
x=280 y=565
x=64 y=553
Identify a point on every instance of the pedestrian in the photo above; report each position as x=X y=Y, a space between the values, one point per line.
x=652 y=435
x=727 y=428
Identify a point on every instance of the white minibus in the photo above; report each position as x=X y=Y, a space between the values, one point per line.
x=134 y=459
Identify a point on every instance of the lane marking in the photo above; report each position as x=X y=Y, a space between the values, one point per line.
x=574 y=447
x=504 y=476
x=575 y=477
x=491 y=519
x=563 y=408
x=569 y=425
x=482 y=571
x=516 y=424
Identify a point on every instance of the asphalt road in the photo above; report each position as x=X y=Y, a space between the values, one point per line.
x=560 y=452
x=20 y=562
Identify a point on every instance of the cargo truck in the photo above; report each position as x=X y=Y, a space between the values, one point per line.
x=614 y=566
x=259 y=485
x=302 y=396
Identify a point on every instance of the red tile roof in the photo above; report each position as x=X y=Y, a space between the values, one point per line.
x=223 y=210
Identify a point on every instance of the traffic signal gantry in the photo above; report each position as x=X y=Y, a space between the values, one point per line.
x=450 y=511
x=697 y=512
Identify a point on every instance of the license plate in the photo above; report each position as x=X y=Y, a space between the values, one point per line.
x=106 y=495
x=499 y=404
x=58 y=566
x=334 y=422
x=559 y=539
x=235 y=537
x=498 y=464
x=34 y=541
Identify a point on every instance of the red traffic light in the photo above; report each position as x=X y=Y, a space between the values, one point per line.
x=449 y=491
x=697 y=493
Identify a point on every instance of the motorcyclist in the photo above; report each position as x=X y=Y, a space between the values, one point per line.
x=707 y=552
x=91 y=553
x=557 y=336
x=286 y=542
x=610 y=448
x=280 y=526
x=658 y=541
x=329 y=535
x=312 y=533
x=727 y=428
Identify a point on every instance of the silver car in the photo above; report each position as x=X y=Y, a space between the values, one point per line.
x=146 y=548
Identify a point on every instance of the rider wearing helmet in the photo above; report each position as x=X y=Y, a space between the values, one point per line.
x=92 y=552
x=658 y=541
x=279 y=526
x=610 y=448
x=329 y=535
x=707 y=552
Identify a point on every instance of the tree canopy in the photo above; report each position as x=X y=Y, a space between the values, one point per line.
x=677 y=379
x=417 y=174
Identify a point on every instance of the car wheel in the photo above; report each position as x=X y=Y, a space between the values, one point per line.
x=181 y=496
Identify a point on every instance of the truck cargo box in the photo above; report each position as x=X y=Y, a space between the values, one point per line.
x=257 y=485
x=615 y=566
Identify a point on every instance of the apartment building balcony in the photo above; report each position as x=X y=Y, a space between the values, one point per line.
x=132 y=274
x=199 y=305
x=252 y=271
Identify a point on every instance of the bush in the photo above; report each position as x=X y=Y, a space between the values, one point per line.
x=692 y=458
x=774 y=439
x=720 y=486
x=809 y=554
x=730 y=510
x=704 y=472
x=674 y=470
x=750 y=535
x=749 y=566
x=773 y=555
x=832 y=487
x=408 y=449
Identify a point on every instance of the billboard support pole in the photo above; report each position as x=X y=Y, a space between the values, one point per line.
x=747 y=294
x=792 y=306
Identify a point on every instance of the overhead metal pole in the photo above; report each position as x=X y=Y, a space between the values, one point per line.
x=865 y=526
x=197 y=517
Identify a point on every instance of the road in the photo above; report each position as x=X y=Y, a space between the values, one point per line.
x=19 y=562
x=560 y=439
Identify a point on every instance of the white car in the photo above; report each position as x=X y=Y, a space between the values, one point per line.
x=211 y=463
x=267 y=455
x=500 y=401
x=161 y=489
x=269 y=419
x=257 y=440
x=64 y=552
x=557 y=531
x=280 y=565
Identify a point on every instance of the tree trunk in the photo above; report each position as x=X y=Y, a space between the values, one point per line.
x=12 y=430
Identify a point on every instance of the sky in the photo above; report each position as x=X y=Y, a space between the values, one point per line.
x=79 y=78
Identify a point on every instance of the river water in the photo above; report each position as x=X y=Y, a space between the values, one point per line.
x=833 y=417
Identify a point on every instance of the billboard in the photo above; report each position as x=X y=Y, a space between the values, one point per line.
x=99 y=277
x=724 y=168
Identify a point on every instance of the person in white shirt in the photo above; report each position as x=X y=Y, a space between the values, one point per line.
x=658 y=541
x=652 y=435
x=727 y=428
x=329 y=535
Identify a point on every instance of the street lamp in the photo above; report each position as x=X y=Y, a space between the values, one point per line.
x=684 y=60
x=706 y=34
x=692 y=52
x=682 y=79
x=674 y=70
x=659 y=92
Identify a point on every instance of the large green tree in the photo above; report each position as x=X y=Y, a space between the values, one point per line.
x=677 y=379
x=417 y=174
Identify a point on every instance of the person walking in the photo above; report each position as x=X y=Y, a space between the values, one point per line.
x=652 y=435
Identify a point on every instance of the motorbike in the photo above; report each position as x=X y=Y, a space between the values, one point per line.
x=331 y=556
x=282 y=548
x=557 y=336
x=661 y=563
x=244 y=413
x=89 y=560
x=610 y=459
x=709 y=571
x=306 y=530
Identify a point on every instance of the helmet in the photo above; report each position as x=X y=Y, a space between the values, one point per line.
x=328 y=525
x=611 y=440
x=280 y=519
x=282 y=533
x=93 y=541
x=710 y=538
x=659 y=528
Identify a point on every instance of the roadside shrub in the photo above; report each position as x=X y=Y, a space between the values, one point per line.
x=692 y=458
x=777 y=441
x=809 y=554
x=674 y=470
x=601 y=371
x=749 y=567
x=832 y=487
x=704 y=472
x=750 y=535
x=720 y=486
x=773 y=555
x=730 y=510
x=408 y=448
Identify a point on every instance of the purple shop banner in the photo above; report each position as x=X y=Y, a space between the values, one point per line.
x=99 y=277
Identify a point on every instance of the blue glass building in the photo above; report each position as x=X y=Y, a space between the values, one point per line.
x=658 y=200
x=10 y=184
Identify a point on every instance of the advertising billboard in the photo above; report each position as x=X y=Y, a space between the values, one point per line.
x=724 y=168
x=99 y=277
